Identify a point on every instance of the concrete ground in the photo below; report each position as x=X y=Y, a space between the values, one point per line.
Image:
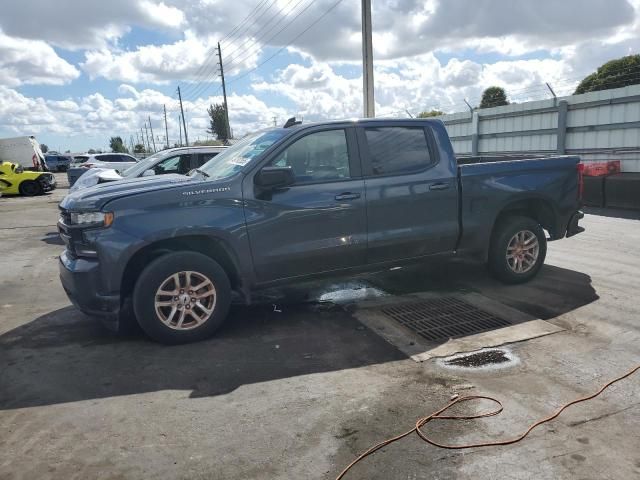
x=297 y=391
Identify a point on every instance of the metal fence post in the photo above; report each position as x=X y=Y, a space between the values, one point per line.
x=562 y=126
x=475 y=131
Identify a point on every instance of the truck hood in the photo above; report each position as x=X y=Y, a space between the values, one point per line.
x=95 y=197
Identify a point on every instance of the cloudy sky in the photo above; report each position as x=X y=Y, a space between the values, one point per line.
x=75 y=72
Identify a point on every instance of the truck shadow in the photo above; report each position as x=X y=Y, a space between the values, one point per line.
x=64 y=356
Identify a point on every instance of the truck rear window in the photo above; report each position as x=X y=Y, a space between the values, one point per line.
x=397 y=150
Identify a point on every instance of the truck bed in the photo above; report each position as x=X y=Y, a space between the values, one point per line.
x=485 y=188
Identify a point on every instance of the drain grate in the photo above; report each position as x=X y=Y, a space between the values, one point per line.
x=443 y=318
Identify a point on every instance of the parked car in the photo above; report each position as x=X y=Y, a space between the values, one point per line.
x=23 y=151
x=82 y=163
x=18 y=181
x=57 y=162
x=288 y=204
x=117 y=161
x=179 y=160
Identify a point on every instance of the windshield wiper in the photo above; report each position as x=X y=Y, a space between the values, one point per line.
x=202 y=172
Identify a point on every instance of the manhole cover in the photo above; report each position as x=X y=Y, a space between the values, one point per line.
x=443 y=318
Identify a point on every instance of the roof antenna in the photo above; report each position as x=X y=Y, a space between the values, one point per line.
x=291 y=122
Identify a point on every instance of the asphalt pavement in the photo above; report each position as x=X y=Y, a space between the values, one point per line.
x=296 y=387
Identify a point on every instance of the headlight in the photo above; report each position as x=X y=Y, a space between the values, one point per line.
x=92 y=218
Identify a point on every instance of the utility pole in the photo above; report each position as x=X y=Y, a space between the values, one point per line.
x=142 y=142
x=147 y=134
x=166 y=129
x=367 y=60
x=184 y=124
x=180 y=128
x=131 y=143
x=275 y=120
x=152 y=137
x=224 y=93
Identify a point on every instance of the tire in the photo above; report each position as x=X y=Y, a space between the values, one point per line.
x=161 y=321
x=30 y=188
x=514 y=259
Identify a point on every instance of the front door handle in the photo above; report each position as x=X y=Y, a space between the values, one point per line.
x=439 y=186
x=347 y=196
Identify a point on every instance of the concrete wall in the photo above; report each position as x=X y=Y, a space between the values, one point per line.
x=602 y=125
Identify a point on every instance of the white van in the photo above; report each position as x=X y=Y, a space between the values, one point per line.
x=24 y=151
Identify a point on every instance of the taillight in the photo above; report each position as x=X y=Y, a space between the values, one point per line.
x=580 y=168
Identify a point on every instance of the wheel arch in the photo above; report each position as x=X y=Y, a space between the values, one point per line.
x=212 y=247
x=537 y=208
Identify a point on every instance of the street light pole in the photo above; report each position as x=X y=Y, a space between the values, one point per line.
x=367 y=60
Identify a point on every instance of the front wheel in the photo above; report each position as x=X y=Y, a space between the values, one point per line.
x=518 y=249
x=30 y=188
x=181 y=297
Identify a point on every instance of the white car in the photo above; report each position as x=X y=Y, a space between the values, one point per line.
x=180 y=160
x=116 y=161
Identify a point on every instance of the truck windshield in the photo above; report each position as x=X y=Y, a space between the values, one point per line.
x=237 y=156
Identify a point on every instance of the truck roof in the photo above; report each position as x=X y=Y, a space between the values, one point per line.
x=354 y=121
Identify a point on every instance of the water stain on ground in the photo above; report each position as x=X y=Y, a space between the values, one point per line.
x=487 y=359
x=479 y=359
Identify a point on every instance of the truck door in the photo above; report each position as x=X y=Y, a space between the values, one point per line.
x=318 y=224
x=412 y=197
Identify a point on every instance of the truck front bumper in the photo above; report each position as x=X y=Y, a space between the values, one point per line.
x=573 y=228
x=80 y=278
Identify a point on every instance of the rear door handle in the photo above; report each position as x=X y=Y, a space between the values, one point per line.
x=347 y=196
x=439 y=186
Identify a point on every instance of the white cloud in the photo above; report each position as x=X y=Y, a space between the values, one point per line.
x=32 y=62
x=562 y=43
x=78 y=24
x=95 y=116
x=184 y=60
x=162 y=15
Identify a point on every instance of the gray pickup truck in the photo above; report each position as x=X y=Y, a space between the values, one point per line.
x=287 y=204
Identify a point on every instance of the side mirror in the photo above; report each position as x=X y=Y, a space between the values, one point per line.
x=275 y=177
x=148 y=173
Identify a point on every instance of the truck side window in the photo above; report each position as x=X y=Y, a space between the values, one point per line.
x=203 y=158
x=397 y=150
x=177 y=164
x=317 y=157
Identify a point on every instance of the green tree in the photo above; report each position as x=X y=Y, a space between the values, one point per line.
x=430 y=113
x=44 y=147
x=217 y=122
x=139 y=148
x=117 y=145
x=91 y=151
x=494 y=97
x=613 y=74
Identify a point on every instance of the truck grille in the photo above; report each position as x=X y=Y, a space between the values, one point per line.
x=67 y=234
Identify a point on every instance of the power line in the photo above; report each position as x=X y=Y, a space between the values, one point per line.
x=288 y=44
x=208 y=69
x=238 y=63
x=273 y=17
x=235 y=29
x=230 y=64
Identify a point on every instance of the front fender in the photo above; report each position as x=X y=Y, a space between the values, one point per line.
x=141 y=221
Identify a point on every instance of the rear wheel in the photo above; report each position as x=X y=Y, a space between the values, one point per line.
x=518 y=249
x=181 y=297
x=30 y=188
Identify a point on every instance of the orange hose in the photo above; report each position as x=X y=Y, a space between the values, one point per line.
x=437 y=416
